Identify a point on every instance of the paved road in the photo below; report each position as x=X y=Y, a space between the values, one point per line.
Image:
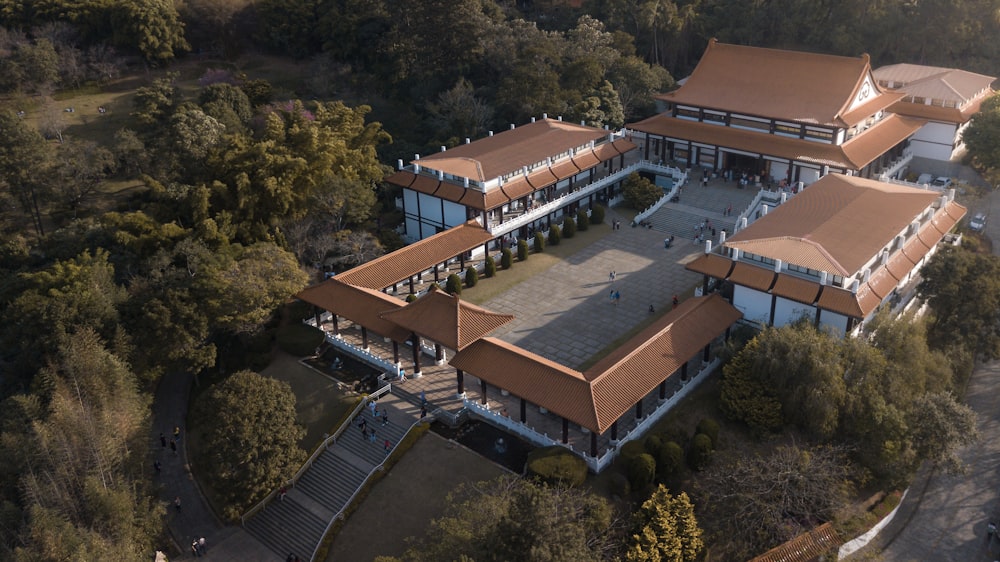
x=943 y=518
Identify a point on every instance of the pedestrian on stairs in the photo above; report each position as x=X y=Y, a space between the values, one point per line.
x=388 y=447
x=385 y=416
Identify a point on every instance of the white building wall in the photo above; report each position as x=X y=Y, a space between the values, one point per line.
x=454 y=214
x=755 y=305
x=788 y=311
x=935 y=141
x=430 y=209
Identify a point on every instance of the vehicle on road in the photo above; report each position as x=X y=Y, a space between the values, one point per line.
x=978 y=222
x=941 y=182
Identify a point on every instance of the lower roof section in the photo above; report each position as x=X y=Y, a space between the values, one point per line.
x=595 y=399
x=417 y=257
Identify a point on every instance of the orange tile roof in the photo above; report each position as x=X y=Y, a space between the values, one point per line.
x=915 y=249
x=790 y=85
x=446 y=319
x=753 y=276
x=882 y=282
x=509 y=151
x=538 y=380
x=841 y=301
x=358 y=304
x=899 y=265
x=935 y=82
x=419 y=256
x=852 y=155
x=836 y=225
x=807 y=547
x=796 y=288
x=712 y=265
x=597 y=398
x=633 y=370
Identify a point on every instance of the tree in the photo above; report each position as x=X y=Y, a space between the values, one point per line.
x=82 y=444
x=666 y=530
x=23 y=155
x=250 y=438
x=80 y=167
x=762 y=501
x=459 y=113
x=982 y=136
x=516 y=519
x=636 y=82
x=940 y=427
x=150 y=26
x=640 y=193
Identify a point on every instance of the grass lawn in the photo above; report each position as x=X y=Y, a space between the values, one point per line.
x=403 y=503
x=487 y=288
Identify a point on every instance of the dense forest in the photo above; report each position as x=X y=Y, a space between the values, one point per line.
x=247 y=188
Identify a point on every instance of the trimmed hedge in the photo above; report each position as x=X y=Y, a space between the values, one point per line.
x=490 y=267
x=411 y=297
x=539 y=242
x=633 y=448
x=596 y=214
x=557 y=465
x=454 y=285
x=522 y=250
x=582 y=220
x=471 y=276
x=669 y=461
x=298 y=339
x=569 y=227
x=641 y=470
x=506 y=258
x=700 y=452
x=709 y=427
x=555 y=235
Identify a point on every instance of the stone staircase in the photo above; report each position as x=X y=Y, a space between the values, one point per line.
x=698 y=203
x=296 y=523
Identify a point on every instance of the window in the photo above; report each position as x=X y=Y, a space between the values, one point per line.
x=750 y=124
x=714 y=118
x=689 y=113
x=819 y=135
x=787 y=129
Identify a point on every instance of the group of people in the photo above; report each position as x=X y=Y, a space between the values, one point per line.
x=198 y=547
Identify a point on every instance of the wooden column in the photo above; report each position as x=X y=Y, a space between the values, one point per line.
x=416 y=353
x=565 y=428
x=436 y=277
x=317 y=312
x=663 y=389
x=707 y=355
x=395 y=352
x=482 y=386
x=364 y=338
x=614 y=430
x=438 y=353
x=524 y=411
x=336 y=325
x=460 y=380
x=412 y=289
x=684 y=372
x=593 y=444
x=638 y=409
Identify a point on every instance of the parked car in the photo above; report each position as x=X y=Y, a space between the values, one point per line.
x=941 y=182
x=978 y=222
x=925 y=179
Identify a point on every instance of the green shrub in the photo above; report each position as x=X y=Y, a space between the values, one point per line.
x=618 y=485
x=557 y=465
x=670 y=461
x=471 y=276
x=454 y=285
x=639 y=192
x=582 y=220
x=522 y=250
x=490 y=268
x=506 y=258
x=555 y=235
x=641 y=470
x=569 y=227
x=709 y=427
x=299 y=339
x=633 y=448
x=411 y=297
x=539 y=242
x=653 y=444
x=700 y=452
x=596 y=214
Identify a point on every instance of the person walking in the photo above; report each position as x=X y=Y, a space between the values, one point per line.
x=991 y=529
x=163 y=440
x=202 y=545
x=177 y=504
x=676 y=300
x=423 y=411
x=281 y=494
x=373 y=408
x=194 y=548
x=385 y=416
x=157 y=466
x=177 y=433
x=173 y=446
x=388 y=447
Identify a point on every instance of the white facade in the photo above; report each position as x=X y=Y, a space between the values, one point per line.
x=937 y=141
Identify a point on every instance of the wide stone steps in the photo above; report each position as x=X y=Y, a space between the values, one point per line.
x=288 y=526
x=296 y=523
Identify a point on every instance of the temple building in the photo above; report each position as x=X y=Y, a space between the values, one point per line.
x=783 y=116
x=512 y=181
x=835 y=253
x=946 y=98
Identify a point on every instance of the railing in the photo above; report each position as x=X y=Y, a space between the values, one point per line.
x=330 y=440
x=896 y=165
x=378 y=468
x=542 y=210
x=679 y=180
x=773 y=197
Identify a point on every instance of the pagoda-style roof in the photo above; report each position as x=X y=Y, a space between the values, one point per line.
x=794 y=86
x=410 y=260
x=446 y=319
x=358 y=304
x=510 y=151
x=934 y=93
x=837 y=224
x=595 y=399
